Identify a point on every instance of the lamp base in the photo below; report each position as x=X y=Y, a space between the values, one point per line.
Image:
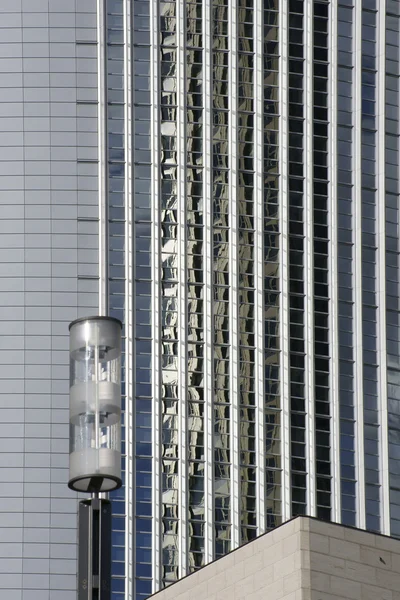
x=94 y=549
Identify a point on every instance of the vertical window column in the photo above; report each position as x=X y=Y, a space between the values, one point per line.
x=297 y=274
x=195 y=284
x=221 y=279
x=322 y=396
x=142 y=301
x=345 y=264
x=272 y=450
x=246 y=265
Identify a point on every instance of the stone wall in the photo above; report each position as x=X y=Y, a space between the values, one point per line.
x=304 y=559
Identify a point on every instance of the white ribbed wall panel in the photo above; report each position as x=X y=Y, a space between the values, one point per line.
x=381 y=269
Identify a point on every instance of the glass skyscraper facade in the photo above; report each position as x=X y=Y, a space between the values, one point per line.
x=222 y=176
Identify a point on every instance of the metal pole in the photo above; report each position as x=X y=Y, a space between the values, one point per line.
x=94 y=549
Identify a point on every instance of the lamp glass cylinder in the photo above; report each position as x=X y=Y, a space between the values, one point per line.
x=95 y=405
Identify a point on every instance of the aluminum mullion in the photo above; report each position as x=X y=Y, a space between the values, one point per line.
x=357 y=283
x=233 y=274
x=309 y=258
x=102 y=143
x=156 y=296
x=381 y=275
x=129 y=321
x=333 y=269
x=283 y=258
x=208 y=296
x=182 y=289
x=259 y=263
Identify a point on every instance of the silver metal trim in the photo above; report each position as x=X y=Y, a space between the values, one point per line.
x=357 y=282
x=259 y=262
x=129 y=314
x=156 y=296
x=208 y=296
x=381 y=266
x=309 y=258
x=333 y=271
x=182 y=289
x=283 y=259
x=102 y=153
x=233 y=293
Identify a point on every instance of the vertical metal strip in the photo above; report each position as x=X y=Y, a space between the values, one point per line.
x=156 y=294
x=259 y=261
x=381 y=263
x=182 y=278
x=357 y=283
x=129 y=415
x=208 y=296
x=233 y=274
x=283 y=258
x=333 y=267
x=102 y=153
x=309 y=257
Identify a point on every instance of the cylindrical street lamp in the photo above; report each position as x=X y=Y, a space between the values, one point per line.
x=95 y=443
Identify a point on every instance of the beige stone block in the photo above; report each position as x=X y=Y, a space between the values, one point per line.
x=319 y=543
x=371 y=592
x=321 y=582
x=305 y=578
x=376 y=557
x=290 y=596
x=243 y=552
x=304 y=540
x=303 y=523
x=286 y=530
x=359 y=537
x=387 y=543
x=358 y=572
x=254 y=563
x=226 y=594
x=345 y=587
x=388 y=579
x=305 y=595
x=216 y=583
x=394 y=561
x=331 y=565
x=325 y=596
x=291 y=544
x=273 y=553
x=292 y=582
x=235 y=573
x=284 y=567
x=224 y=563
x=244 y=588
x=200 y=592
x=273 y=591
x=328 y=529
x=344 y=549
x=263 y=577
x=189 y=582
x=302 y=560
